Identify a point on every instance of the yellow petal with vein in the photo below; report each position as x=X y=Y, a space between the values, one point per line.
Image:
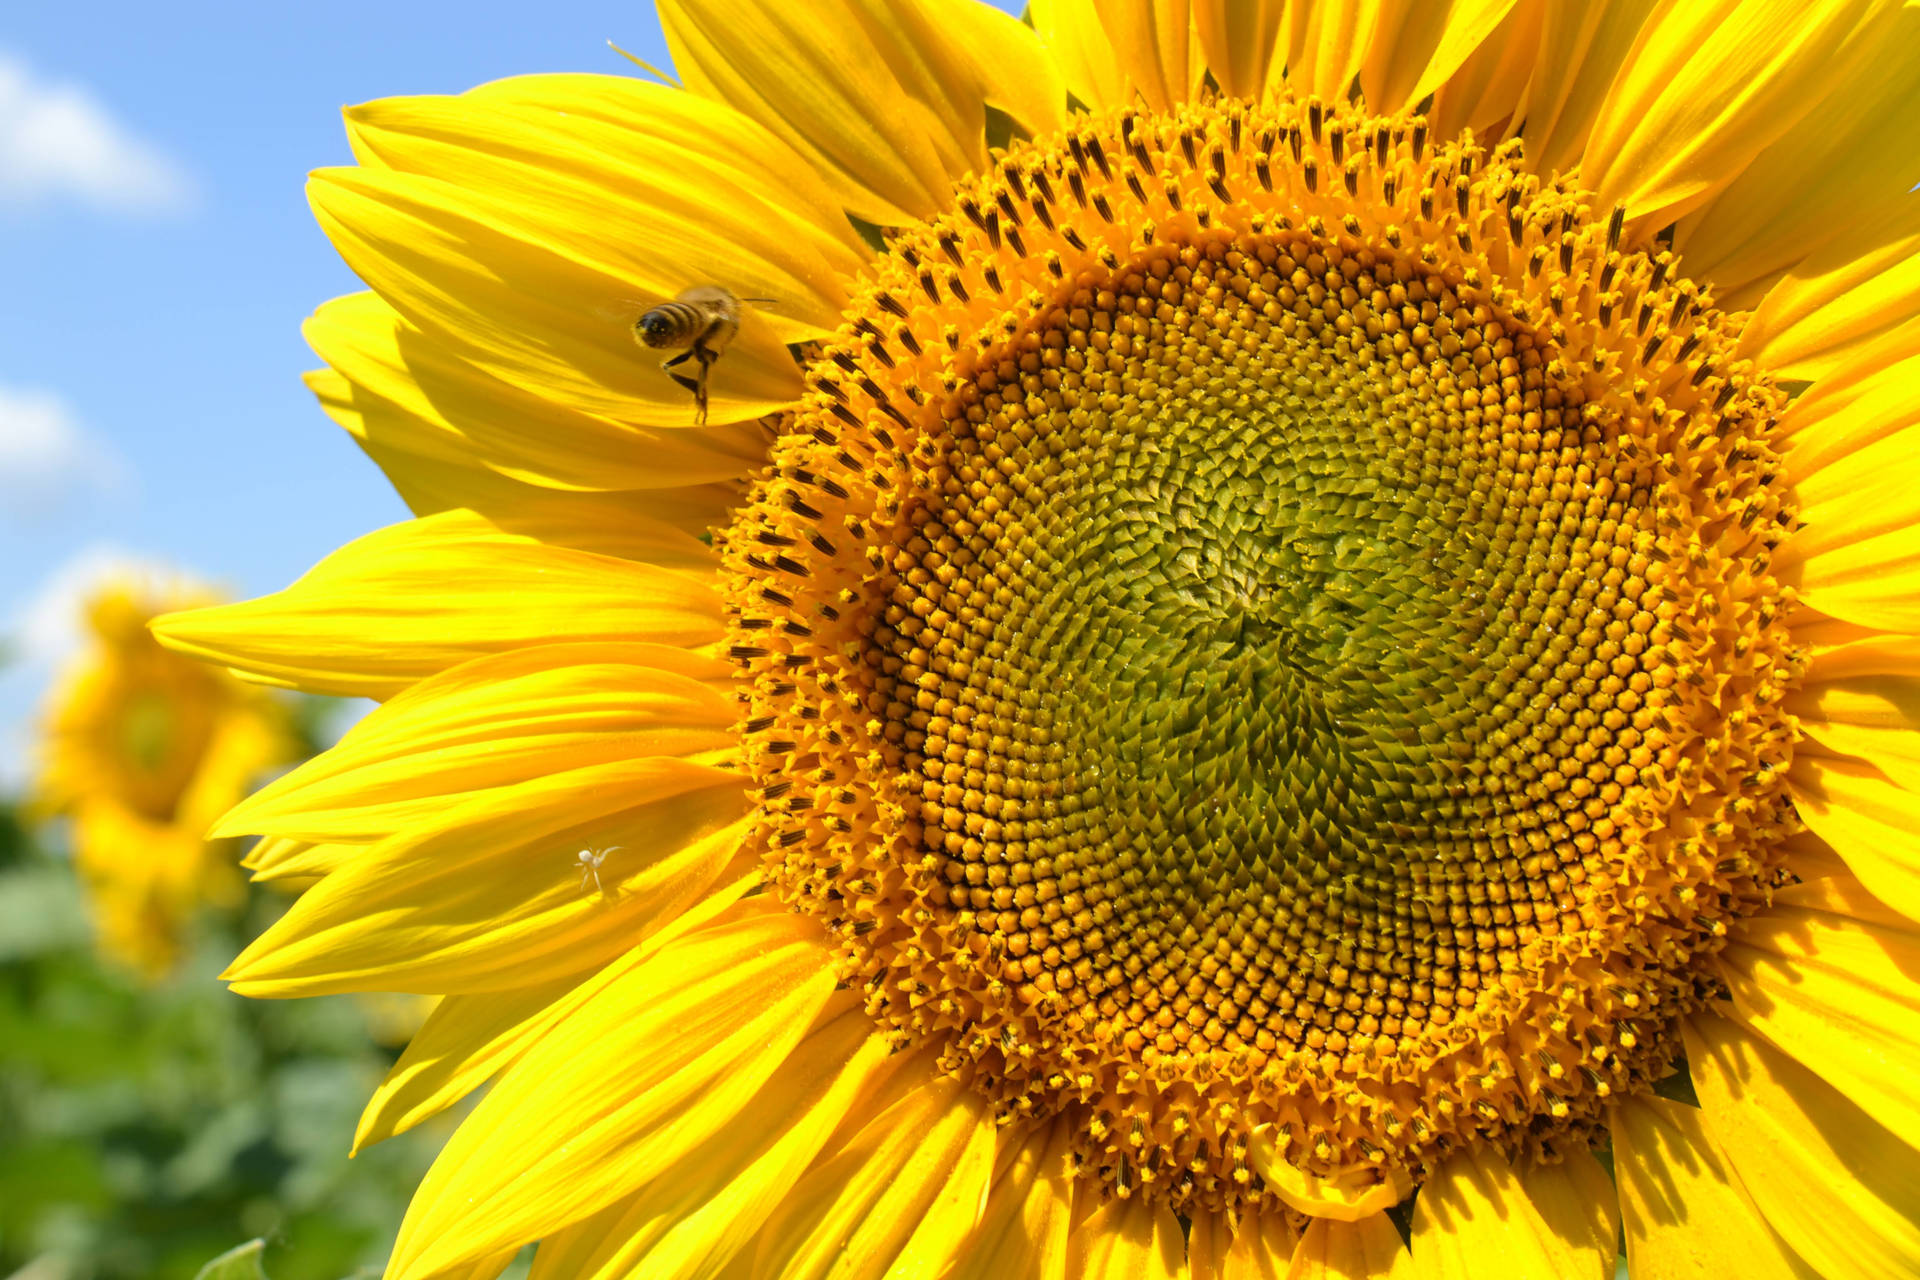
x=1836 y=169
x=1859 y=549
x=1024 y=1229
x=1686 y=1213
x=1209 y=1236
x=491 y=723
x=1488 y=91
x=1870 y=821
x=1868 y=397
x=417 y=396
x=1348 y=1198
x=1151 y=50
x=467 y=1040
x=540 y=308
x=1473 y=1208
x=631 y=1084
x=1842 y=1191
x=492 y=896
x=1582 y=47
x=1864 y=493
x=659 y=186
x=1133 y=1239
x=417 y=598
x=1326 y=45
x=464 y=1042
x=275 y=860
x=431 y=478
x=1709 y=85
x=1576 y=1200
x=1417 y=45
x=1262 y=1249
x=886 y=98
x=1849 y=292
x=897 y=1199
x=1239 y=39
x=703 y=1212
x=1828 y=974
x=1369 y=1249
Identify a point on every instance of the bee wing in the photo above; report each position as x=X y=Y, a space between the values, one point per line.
x=625 y=311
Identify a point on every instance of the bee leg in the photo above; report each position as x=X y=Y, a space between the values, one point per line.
x=697 y=385
x=701 y=352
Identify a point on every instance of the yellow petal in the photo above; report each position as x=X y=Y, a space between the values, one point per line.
x=1860 y=545
x=1687 y=1216
x=1472 y=1208
x=1077 y=43
x=656 y=1064
x=1368 y=1249
x=1024 y=1230
x=275 y=860
x=1240 y=39
x=1133 y=1239
x=1870 y=821
x=1708 y=86
x=1847 y=293
x=492 y=895
x=464 y=1042
x=1829 y=975
x=704 y=1210
x=675 y=188
x=417 y=598
x=896 y=1200
x=1151 y=51
x=492 y=723
x=1326 y=44
x=1347 y=1198
x=1582 y=47
x=886 y=98
x=1262 y=1250
x=1866 y=398
x=1576 y=1200
x=1867 y=492
x=1842 y=1191
x=1488 y=91
x=416 y=396
x=1209 y=1236
x=1417 y=44
x=545 y=310
x=1835 y=169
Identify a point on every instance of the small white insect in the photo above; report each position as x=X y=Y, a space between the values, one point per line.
x=589 y=861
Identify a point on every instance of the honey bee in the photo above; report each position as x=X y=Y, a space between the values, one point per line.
x=699 y=324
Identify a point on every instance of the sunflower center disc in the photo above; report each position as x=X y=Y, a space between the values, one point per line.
x=1231 y=660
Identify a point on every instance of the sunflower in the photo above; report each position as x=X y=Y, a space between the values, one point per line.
x=1291 y=643
x=142 y=749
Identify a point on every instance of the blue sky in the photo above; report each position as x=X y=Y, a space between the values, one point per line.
x=157 y=257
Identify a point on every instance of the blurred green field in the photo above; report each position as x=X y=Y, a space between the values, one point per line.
x=146 y=1129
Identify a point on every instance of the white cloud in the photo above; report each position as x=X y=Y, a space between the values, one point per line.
x=49 y=463
x=58 y=142
x=42 y=633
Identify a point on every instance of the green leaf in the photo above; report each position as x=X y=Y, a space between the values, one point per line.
x=239 y=1263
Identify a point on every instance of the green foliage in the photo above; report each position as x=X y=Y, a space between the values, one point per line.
x=241 y=1262
x=144 y=1129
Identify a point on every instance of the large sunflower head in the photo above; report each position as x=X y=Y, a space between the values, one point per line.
x=142 y=749
x=1228 y=617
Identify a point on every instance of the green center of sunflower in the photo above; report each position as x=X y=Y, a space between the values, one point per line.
x=1261 y=638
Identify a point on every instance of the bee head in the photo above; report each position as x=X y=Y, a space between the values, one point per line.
x=653 y=329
